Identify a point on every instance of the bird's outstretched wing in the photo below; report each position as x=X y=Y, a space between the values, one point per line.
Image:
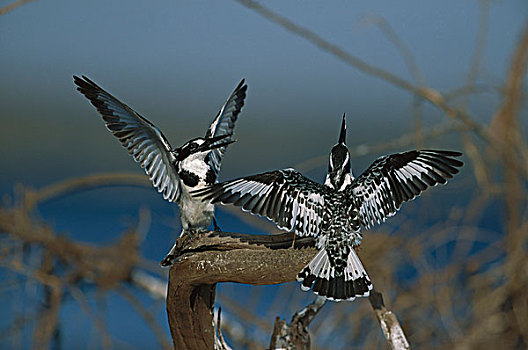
x=397 y=178
x=224 y=123
x=140 y=137
x=286 y=197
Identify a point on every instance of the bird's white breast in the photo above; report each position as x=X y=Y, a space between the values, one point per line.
x=195 y=214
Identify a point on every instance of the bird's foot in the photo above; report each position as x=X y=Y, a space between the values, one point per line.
x=184 y=239
x=167 y=261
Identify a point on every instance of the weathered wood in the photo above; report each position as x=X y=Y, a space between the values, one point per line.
x=295 y=335
x=389 y=324
x=215 y=257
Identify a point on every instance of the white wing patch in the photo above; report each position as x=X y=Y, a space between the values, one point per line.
x=224 y=122
x=392 y=180
x=143 y=140
x=372 y=206
x=287 y=198
x=305 y=219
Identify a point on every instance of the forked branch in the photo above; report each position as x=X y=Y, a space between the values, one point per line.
x=214 y=257
x=225 y=257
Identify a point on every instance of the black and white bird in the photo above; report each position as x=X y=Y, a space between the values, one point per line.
x=335 y=213
x=173 y=171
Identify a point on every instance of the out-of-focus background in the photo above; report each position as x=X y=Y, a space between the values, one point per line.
x=81 y=231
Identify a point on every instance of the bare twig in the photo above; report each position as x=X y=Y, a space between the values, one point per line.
x=412 y=67
x=70 y=186
x=398 y=43
x=295 y=335
x=13 y=6
x=390 y=326
x=225 y=257
x=156 y=287
x=147 y=316
x=244 y=314
x=46 y=329
x=427 y=93
x=82 y=301
x=471 y=150
x=220 y=343
x=480 y=43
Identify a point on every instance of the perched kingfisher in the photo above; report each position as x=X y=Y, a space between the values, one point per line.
x=173 y=171
x=335 y=212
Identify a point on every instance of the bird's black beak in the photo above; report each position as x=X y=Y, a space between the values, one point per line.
x=214 y=142
x=342 y=135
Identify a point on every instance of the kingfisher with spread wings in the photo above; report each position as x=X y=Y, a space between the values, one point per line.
x=335 y=212
x=173 y=171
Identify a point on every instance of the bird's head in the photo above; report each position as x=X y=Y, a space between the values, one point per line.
x=201 y=146
x=339 y=174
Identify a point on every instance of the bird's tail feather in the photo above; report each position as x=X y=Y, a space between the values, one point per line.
x=332 y=282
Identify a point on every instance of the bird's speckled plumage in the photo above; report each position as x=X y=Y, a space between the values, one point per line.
x=174 y=172
x=335 y=212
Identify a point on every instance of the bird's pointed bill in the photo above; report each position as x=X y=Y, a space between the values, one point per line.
x=342 y=135
x=216 y=142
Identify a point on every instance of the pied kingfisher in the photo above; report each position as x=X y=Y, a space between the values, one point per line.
x=334 y=213
x=173 y=171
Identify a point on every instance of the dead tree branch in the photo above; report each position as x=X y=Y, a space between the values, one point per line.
x=225 y=257
x=216 y=257
x=390 y=326
x=295 y=334
x=13 y=5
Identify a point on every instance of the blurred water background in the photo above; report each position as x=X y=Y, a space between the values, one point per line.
x=175 y=62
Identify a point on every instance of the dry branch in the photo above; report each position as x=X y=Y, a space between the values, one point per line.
x=204 y=260
x=225 y=257
x=295 y=334
x=13 y=5
x=457 y=115
x=390 y=326
x=105 y=267
x=221 y=344
x=427 y=93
